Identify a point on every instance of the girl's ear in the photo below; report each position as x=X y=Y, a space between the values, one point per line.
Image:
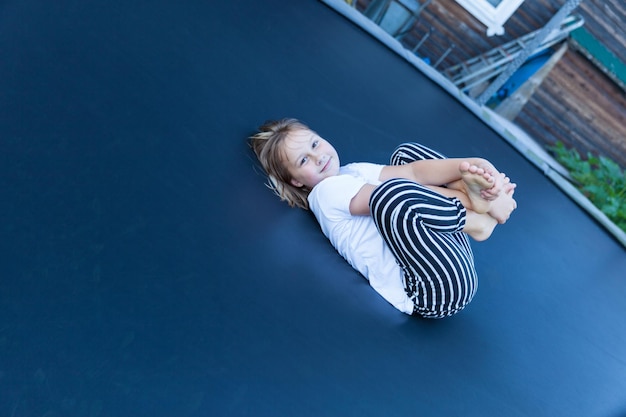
x=296 y=183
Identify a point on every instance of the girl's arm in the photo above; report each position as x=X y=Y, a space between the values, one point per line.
x=432 y=171
x=360 y=203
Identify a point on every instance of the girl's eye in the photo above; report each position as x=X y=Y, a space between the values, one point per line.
x=303 y=160
x=315 y=143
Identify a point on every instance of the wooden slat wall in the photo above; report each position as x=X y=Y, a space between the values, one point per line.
x=453 y=25
x=606 y=21
x=577 y=104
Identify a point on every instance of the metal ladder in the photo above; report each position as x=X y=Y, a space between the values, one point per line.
x=480 y=69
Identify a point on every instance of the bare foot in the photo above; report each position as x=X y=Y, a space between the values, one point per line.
x=503 y=206
x=501 y=180
x=476 y=180
x=479 y=226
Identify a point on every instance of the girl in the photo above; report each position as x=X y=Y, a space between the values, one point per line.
x=403 y=226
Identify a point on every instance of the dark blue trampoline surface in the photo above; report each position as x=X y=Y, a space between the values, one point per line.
x=147 y=271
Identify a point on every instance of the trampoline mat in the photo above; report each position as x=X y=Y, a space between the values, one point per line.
x=147 y=270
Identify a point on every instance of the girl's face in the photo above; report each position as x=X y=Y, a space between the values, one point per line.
x=309 y=158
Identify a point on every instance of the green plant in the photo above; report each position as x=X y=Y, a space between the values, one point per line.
x=600 y=179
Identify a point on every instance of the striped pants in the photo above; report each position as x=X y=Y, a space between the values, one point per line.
x=423 y=230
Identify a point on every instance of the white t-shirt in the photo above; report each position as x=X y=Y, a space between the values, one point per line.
x=356 y=237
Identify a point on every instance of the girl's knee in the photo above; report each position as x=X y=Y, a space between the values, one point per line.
x=392 y=192
x=415 y=205
x=398 y=190
x=409 y=152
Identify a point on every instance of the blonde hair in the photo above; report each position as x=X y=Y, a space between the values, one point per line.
x=268 y=147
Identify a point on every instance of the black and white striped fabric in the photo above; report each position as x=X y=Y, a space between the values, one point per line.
x=423 y=230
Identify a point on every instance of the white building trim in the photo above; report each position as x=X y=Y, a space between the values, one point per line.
x=491 y=16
